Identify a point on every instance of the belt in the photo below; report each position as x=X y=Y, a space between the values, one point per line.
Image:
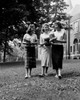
x=57 y=44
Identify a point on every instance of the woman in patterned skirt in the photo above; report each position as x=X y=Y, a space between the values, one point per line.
x=30 y=40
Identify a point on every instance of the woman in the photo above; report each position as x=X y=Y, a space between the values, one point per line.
x=57 y=49
x=30 y=40
x=45 y=49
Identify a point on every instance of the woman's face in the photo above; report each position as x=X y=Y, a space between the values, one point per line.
x=57 y=27
x=46 y=28
x=32 y=29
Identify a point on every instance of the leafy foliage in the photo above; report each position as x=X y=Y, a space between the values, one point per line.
x=15 y=12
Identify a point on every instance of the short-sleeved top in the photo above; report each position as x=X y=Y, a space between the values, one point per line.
x=32 y=38
x=43 y=37
x=59 y=34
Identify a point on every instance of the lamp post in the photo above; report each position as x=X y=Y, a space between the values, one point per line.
x=68 y=40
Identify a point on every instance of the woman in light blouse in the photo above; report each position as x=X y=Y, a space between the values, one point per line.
x=45 y=49
x=57 y=49
x=30 y=40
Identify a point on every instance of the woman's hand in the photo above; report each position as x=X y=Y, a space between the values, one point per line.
x=53 y=39
x=60 y=41
x=47 y=44
x=34 y=42
x=27 y=41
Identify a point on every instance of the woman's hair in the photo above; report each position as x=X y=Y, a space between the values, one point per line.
x=32 y=26
x=43 y=27
x=29 y=28
x=59 y=25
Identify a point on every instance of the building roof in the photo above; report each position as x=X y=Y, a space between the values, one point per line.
x=75 y=10
x=75 y=17
x=69 y=7
x=75 y=13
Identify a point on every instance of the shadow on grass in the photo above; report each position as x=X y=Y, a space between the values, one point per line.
x=71 y=74
x=49 y=75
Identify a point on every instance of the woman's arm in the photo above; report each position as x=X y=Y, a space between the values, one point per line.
x=52 y=39
x=35 y=41
x=26 y=39
x=41 y=41
x=60 y=41
x=52 y=36
x=63 y=38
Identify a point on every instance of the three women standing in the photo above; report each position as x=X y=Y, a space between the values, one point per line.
x=56 y=53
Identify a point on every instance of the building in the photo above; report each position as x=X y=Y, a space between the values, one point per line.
x=73 y=36
x=75 y=32
x=72 y=48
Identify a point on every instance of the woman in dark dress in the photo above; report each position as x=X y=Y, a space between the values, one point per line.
x=57 y=49
x=30 y=40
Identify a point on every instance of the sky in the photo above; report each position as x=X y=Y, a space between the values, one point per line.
x=74 y=2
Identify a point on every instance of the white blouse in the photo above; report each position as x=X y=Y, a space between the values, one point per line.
x=43 y=37
x=59 y=34
x=32 y=38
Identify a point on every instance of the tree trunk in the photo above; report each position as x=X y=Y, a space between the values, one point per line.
x=5 y=46
x=4 y=57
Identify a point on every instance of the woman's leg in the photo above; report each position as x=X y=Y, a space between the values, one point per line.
x=30 y=70
x=56 y=73
x=59 y=72
x=46 y=70
x=26 y=73
x=60 y=63
x=43 y=71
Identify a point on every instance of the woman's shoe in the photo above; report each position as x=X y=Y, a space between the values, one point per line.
x=42 y=75
x=26 y=76
x=29 y=76
x=46 y=74
x=56 y=76
x=60 y=77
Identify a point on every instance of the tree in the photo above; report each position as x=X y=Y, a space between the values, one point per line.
x=52 y=10
x=15 y=12
x=11 y=15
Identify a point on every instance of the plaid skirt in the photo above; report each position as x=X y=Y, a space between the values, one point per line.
x=30 y=57
x=57 y=56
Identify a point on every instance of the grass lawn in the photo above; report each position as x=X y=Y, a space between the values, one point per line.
x=13 y=85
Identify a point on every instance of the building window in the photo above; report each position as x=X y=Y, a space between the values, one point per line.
x=76 y=27
x=73 y=49
x=70 y=48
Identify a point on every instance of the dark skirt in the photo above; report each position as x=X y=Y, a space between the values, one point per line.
x=30 y=57
x=57 y=56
